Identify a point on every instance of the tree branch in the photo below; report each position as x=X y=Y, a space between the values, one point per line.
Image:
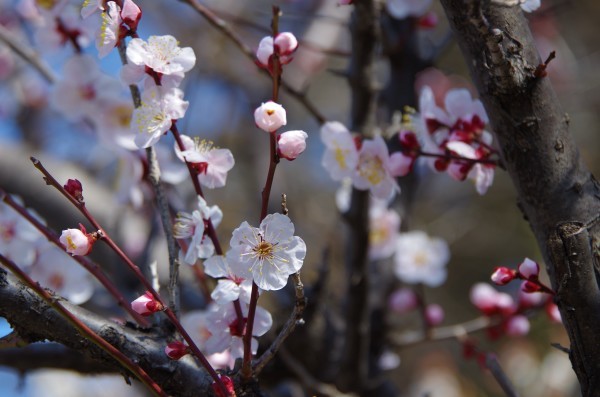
x=553 y=184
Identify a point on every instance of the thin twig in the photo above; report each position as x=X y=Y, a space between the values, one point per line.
x=294 y=320
x=224 y=28
x=83 y=329
x=27 y=53
x=491 y=363
x=408 y=339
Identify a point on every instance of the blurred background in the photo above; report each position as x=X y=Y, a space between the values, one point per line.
x=223 y=89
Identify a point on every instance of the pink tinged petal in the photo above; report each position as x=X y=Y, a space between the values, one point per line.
x=270 y=116
x=434 y=314
x=483 y=177
x=517 y=326
x=131 y=14
x=502 y=276
x=76 y=242
x=286 y=42
x=218 y=342
x=400 y=164
x=146 y=305
x=529 y=268
x=131 y=73
x=483 y=296
x=291 y=144
x=459 y=104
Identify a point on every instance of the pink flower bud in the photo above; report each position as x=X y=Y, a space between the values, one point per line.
x=503 y=275
x=434 y=314
x=75 y=190
x=529 y=269
x=265 y=50
x=291 y=144
x=176 y=350
x=146 y=304
x=131 y=14
x=517 y=325
x=270 y=116
x=77 y=241
x=286 y=42
x=403 y=300
x=228 y=383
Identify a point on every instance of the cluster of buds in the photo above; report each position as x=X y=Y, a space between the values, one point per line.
x=283 y=46
x=528 y=271
x=271 y=116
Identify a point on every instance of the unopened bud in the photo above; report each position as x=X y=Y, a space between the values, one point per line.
x=146 y=304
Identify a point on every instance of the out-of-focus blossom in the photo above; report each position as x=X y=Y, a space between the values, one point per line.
x=374 y=170
x=489 y=301
x=421 y=259
x=341 y=155
x=230 y=287
x=530 y=5
x=517 y=325
x=403 y=300
x=384 y=226
x=57 y=271
x=434 y=314
x=268 y=254
x=18 y=238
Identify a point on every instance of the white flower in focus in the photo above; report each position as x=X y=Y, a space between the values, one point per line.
x=83 y=89
x=91 y=6
x=270 y=116
x=341 y=156
x=57 y=271
x=373 y=170
x=269 y=254
x=212 y=164
x=160 y=106
x=161 y=54
x=194 y=225
x=384 y=226
x=227 y=332
x=401 y=9
x=291 y=144
x=230 y=287
x=421 y=259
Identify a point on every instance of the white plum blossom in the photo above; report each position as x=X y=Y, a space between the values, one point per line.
x=162 y=54
x=212 y=164
x=341 y=156
x=384 y=227
x=401 y=9
x=291 y=144
x=270 y=116
x=83 y=89
x=373 y=171
x=107 y=36
x=421 y=259
x=268 y=254
x=227 y=332
x=57 y=271
x=89 y=7
x=160 y=106
x=18 y=237
x=113 y=124
x=194 y=225
x=230 y=287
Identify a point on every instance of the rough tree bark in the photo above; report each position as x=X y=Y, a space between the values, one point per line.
x=557 y=194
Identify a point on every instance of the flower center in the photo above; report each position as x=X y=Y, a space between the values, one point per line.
x=340 y=157
x=70 y=244
x=264 y=250
x=420 y=259
x=372 y=170
x=270 y=112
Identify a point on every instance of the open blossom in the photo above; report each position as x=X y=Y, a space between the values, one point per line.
x=230 y=287
x=59 y=272
x=160 y=106
x=212 y=164
x=384 y=226
x=421 y=259
x=285 y=42
x=373 y=170
x=268 y=254
x=481 y=174
x=291 y=144
x=341 y=156
x=83 y=89
x=77 y=241
x=146 y=304
x=226 y=332
x=194 y=225
x=162 y=54
x=270 y=116
x=107 y=36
